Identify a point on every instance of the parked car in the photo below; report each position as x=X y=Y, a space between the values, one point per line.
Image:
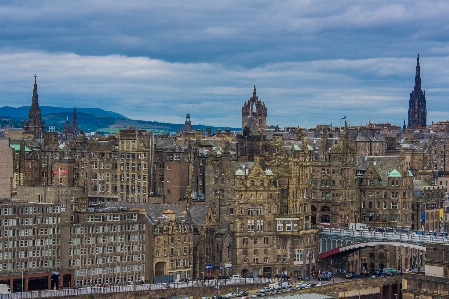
x=303 y=277
x=224 y=277
x=283 y=276
x=350 y=275
x=324 y=277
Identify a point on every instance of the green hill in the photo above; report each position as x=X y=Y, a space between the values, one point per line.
x=105 y=121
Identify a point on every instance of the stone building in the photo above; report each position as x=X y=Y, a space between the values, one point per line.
x=385 y=193
x=173 y=243
x=371 y=145
x=108 y=246
x=434 y=282
x=31 y=245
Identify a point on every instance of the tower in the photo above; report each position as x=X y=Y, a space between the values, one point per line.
x=254 y=116
x=417 y=112
x=75 y=129
x=34 y=124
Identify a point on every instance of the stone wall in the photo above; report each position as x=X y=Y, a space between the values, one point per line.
x=379 y=288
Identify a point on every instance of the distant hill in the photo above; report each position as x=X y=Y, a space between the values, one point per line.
x=89 y=120
x=22 y=112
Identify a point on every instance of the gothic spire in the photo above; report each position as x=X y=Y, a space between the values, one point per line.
x=418 y=75
x=35 y=98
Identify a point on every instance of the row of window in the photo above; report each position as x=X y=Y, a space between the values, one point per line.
x=106 y=260
x=29 y=221
x=107 y=270
x=29 y=210
x=394 y=205
x=173 y=252
x=107 y=239
x=28 y=253
x=111 y=217
x=29 y=265
x=29 y=232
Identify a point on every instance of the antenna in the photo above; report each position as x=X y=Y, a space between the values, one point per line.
x=339 y=129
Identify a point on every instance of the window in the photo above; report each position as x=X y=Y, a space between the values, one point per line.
x=288 y=226
x=251 y=225
x=256 y=241
x=260 y=210
x=250 y=211
x=298 y=255
x=280 y=226
x=245 y=241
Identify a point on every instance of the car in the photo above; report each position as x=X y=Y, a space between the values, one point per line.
x=320 y=284
x=311 y=285
x=324 y=277
x=184 y=280
x=283 y=276
x=236 y=277
x=224 y=277
x=348 y=275
x=230 y=295
x=303 y=277
x=265 y=290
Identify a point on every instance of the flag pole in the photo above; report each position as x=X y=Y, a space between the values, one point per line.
x=339 y=129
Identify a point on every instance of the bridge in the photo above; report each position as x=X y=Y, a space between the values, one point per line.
x=337 y=241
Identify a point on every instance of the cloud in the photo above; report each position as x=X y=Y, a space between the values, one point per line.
x=159 y=60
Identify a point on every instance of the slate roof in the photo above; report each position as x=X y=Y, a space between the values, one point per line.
x=196 y=214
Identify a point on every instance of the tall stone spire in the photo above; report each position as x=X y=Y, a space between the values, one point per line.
x=417 y=112
x=34 y=124
x=35 y=98
x=75 y=128
x=418 y=75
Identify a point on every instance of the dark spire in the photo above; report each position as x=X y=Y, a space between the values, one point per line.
x=35 y=99
x=75 y=128
x=418 y=75
x=254 y=92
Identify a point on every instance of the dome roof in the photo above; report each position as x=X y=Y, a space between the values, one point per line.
x=269 y=172
x=394 y=173
x=239 y=172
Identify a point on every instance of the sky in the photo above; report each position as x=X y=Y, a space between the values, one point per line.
x=313 y=62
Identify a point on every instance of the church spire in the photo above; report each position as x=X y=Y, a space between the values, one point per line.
x=417 y=111
x=418 y=75
x=35 y=98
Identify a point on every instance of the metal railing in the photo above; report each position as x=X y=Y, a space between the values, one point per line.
x=131 y=288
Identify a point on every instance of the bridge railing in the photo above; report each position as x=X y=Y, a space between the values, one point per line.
x=404 y=237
